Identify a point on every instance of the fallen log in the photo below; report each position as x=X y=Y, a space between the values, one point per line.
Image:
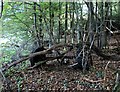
x=99 y=52
x=37 y=53
x=94 y=48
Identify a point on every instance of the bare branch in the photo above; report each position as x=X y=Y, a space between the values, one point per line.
x=34 y=54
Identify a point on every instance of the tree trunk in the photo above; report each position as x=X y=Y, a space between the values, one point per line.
x=1 y=7
x=59 y=32
x=66 y=19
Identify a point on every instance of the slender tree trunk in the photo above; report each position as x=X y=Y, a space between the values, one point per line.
x=50 y=9
x=1 y=7
x=59 y=32
x=40 y=27
x=35 y=16
x=72 y=23
x=106 y=18
x=52 y=22
x=66 y=19
x=101 y=28
x=97 y=25
x=91 y=21
x=35 y=25
x=77 y=22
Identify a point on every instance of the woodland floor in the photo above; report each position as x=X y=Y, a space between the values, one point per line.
x=57 y=77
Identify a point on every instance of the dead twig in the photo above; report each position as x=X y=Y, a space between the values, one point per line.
x=92 y=81
x=105 y=74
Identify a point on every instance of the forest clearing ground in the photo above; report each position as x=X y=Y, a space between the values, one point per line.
x=57 y=77
x=61 y=78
